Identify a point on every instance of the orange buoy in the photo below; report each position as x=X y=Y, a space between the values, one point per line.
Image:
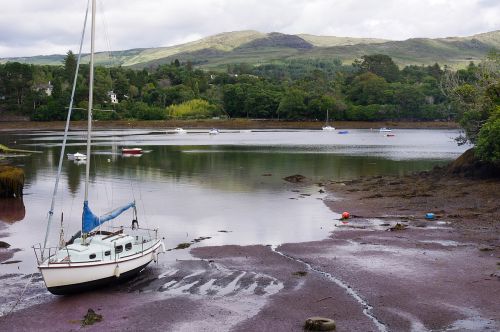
x=345 y=215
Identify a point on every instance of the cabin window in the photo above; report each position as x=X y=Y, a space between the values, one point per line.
x=128 y=246
x=92 y=256
x=118 y=249
x=107 y=253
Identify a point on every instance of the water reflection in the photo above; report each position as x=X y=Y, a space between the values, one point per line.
x=12 y=209
x=194 y=185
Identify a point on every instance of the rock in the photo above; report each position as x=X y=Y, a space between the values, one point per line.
x=319 y=324
x=4 y=245
x=183 y=245
x=300 y=273
x=398 y=227
x=295 y=178
x=11 y=181
x=201 y=238
x=468 y=165
x=91 y=318
x=486 y=249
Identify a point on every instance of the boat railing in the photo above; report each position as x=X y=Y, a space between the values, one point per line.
x=41 y=253
x=136 y=230
x=50 y=256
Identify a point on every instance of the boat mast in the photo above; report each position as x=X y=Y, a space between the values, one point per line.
x=91 y=100
x=66 y=129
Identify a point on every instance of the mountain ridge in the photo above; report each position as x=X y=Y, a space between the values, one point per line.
x=255 y=47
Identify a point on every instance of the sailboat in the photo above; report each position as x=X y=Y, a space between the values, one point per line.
x=94 y=256
x=327 y=127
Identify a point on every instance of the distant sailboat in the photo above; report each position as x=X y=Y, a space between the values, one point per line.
x=94 y=256
x=327 y=127
x=180 y=131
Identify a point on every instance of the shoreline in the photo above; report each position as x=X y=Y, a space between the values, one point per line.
x=222 y=124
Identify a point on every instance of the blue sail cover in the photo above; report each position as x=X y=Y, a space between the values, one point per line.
x=91 y=221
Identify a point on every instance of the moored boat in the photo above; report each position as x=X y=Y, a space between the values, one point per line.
x=94 y=256
x=213 y=131
x=76 y=156
x=131 y=150
x=327 y=126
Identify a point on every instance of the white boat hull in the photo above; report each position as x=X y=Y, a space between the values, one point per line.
x=67 y=278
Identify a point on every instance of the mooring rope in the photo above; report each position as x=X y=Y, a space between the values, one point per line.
x=19 y=297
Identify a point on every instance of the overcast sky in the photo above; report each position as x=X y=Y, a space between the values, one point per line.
x=34 y=27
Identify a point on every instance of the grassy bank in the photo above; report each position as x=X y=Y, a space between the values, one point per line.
x=222 y=124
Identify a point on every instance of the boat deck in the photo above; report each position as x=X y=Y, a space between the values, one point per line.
x=102 y=248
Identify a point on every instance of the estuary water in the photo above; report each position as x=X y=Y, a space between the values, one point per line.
x=227 y=188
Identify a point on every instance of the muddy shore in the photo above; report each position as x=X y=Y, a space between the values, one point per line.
x=440 y=274
x=221 y=124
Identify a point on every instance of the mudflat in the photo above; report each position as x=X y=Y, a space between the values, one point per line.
x=387 y=268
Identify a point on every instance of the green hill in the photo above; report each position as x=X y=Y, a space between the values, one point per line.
x=258 y=48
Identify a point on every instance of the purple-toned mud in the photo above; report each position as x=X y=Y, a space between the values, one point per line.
x=431 y=275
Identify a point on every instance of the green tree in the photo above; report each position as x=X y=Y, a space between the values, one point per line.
x=380 y=65
x=69 y=62
x=292 y=105
x=368 y=88
x=488 y=142
x=474 y=100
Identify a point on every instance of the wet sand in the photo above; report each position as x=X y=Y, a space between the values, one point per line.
x=441 y=274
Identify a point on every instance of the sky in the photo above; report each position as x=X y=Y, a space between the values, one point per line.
x=43 y=27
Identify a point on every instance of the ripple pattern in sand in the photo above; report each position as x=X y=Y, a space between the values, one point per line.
x=209 y=279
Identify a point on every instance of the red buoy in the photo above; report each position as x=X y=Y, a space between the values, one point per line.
x=345 y=215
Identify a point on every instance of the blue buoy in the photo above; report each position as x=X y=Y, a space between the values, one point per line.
x=429 y=216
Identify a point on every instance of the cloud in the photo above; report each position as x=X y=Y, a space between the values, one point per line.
x=32 y=27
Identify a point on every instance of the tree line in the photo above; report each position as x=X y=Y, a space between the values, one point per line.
x=372 y=88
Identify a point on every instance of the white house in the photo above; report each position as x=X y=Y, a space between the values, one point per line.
x=45 y=87
x=112 y=97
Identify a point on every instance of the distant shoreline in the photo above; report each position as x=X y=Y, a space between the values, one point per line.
x=224 y=124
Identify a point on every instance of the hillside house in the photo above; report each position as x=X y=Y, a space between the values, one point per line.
x=47 y=88
x=112 y=97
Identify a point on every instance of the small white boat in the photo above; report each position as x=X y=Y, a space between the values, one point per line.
x=385 y=130
x=76 y=156
x=180 y=131
x=214 y=131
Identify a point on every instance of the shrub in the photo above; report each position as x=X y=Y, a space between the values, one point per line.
x=488 y=142
x=193 y=109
